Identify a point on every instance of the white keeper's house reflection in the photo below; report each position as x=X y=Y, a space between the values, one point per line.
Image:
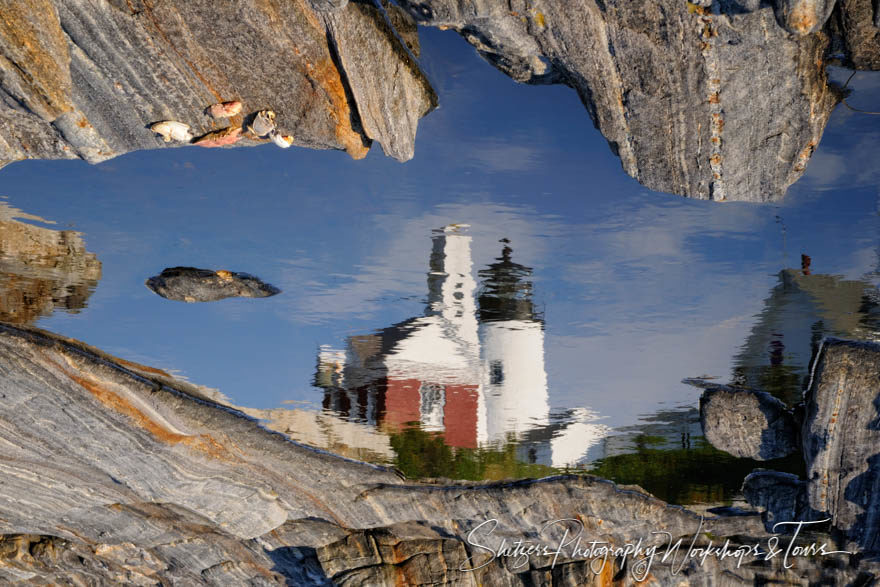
x=471 y=368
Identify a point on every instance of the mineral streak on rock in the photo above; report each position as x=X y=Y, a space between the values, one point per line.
x=116 y=473
x=389 y=112
x=667 y=83
x=42 y=269
x=189 y=284
x=85 y=80
x=842 y=439
x=745 y=423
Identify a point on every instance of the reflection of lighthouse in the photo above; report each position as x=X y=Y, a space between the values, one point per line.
x=514 y=382
x=472 y=369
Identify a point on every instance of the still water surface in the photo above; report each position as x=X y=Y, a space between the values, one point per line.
x=507 y=303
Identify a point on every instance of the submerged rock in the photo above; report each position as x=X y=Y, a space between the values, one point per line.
x=189 y=284
x=746 y=423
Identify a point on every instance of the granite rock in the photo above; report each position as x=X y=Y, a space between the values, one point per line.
x=747 y=423
x=858 y=31
x=842 y=439
x=85 y=80
x=668 y=83
x=189 y=284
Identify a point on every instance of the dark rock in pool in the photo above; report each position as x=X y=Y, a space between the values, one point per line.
x=188 y=284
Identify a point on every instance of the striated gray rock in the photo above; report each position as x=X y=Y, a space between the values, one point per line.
x=746 y=423
x=841 y=444
x=389 y=112
x=669 y=82
x=188 y=284
x=81 y=79
x=842 y=439
x=114 y=472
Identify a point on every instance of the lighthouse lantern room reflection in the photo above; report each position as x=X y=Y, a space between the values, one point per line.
x=471 y=368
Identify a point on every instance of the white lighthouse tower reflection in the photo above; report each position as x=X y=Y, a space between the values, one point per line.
x=471 y=368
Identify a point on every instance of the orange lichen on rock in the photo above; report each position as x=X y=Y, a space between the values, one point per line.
x=112 y=400
x=31 y=40
x=327 y=76
x=803 y=18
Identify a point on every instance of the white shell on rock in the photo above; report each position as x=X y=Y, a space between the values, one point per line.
x=283 y=141
x=263 y=123
x=171 y=129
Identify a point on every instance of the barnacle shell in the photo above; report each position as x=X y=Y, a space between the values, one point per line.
x=283 y=141
x=219 y=138
x=263 y=123
x=224 y=109
x=171 y=129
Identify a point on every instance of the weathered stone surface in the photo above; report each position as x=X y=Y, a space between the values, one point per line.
x=42 y=269
x=803 y=16
x=859 y=29
x=842 y=439
x=746 y=423
x=127 y=475
x=82 y=79
x=390 y=111
x=189 y=284
x=668 y=83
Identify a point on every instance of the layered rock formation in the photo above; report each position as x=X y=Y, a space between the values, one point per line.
x=116 y=472
x=708 y=99
x=712 y=100
x=42 y=269
x=84 y=79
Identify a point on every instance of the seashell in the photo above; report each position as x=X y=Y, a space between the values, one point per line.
x=283 y=141
x=263 y=123
x=219 y=138
x=171 y=129
x=224 y=109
